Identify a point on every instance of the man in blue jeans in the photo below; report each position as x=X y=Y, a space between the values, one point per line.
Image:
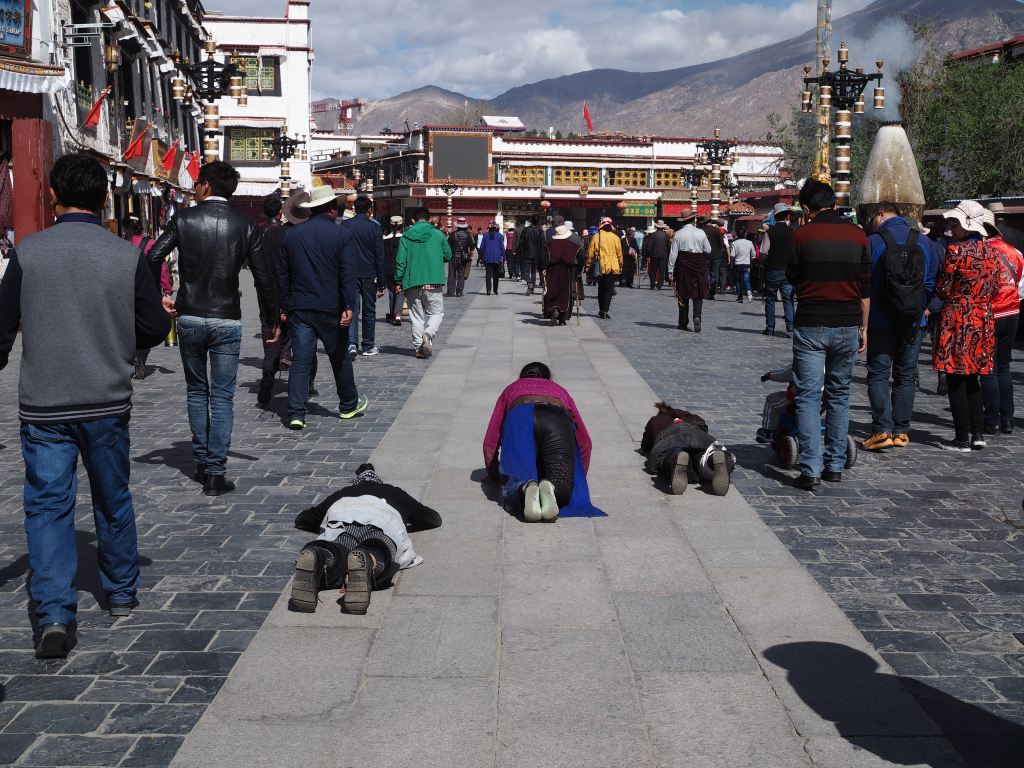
x=830 y=267
x=364 y=255
x=893 y=352
x=78 y=346
x=214 y=240
x=315 y=283
x=776 y=250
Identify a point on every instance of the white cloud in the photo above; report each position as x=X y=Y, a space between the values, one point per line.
x=469 y=46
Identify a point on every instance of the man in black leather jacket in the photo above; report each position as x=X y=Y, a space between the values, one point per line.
x=214 y=240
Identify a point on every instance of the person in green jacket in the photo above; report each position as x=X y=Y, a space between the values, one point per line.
x=419 y=271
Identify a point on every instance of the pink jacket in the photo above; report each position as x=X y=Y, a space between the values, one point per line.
x=520 y=388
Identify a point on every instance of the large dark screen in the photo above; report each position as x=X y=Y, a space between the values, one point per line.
x=461 y=157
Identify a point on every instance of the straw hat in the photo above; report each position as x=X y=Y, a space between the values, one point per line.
x=562 y=232
x=606 y=222
x=509 y=225
x=988 y=220
x=293 y=209
x=652 y=229
x=660 y=224
x=969 y=214
x=396 y=220
x=320 y=196
x=461 y=223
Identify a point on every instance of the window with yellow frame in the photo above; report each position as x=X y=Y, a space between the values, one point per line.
x=575 y=176
x=668 y=179
x=627 y=177
x=526 y=175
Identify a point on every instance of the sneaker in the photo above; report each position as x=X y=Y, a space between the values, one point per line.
x=297 y=424
x=764 y=436
x=750 y=297
x=681 y=474
x=266 y=388
x=357 y=590
x=371 y=352
x=720 y=473
x=1006 y=427
x=306 y=580
x=782 y=335
x=696 y=325
x=768 y=332
x=991 y=429
x=421 y=354
x=352 y=351
x=217 y=485
x=120 y=610
x=957 y=446
x=531 y=503
x=901 y=440
x=878 y=442
x=977 y=442
x=52 y=642
x=548 y=502
x=426 y=345
x=361 y=404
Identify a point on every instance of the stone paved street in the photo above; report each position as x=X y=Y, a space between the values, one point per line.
x=923 y=550
x=763 y=629
x=212 y=568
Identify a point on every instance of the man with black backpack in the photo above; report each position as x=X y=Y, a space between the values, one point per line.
x=903 y=270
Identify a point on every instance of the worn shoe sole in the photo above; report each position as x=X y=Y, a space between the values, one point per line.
x=531 y=504
x=52 y=645
x=720 y=476
x=361 y=403
x=548 y=502
x=304 y=583
x=680 y=478
x=357 y=591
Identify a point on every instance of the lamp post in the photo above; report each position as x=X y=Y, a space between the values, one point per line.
x=845 y=88
x=211 y=80
x=693 y=176
x=284 y=148
x=715 y=151
x=449 y=189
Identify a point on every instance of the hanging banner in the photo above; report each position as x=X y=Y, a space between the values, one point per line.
x=16 y=27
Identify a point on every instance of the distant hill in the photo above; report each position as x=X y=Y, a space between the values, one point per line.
x=737 y=92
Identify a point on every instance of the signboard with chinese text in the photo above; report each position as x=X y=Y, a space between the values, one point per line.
x=16 y=27
x=649 y=210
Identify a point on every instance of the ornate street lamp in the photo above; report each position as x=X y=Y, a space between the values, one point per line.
x=449 y=189
x=844 y=88
x=715 y=151
x=284 y=148
x=212 y=80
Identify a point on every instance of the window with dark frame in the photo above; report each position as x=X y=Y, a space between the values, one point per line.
x=261 y=73
x=250 y=145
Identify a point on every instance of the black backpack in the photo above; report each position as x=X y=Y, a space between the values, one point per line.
x=903 y=280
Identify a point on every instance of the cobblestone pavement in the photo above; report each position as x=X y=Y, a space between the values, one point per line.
x=212 y=568
x=922 y=549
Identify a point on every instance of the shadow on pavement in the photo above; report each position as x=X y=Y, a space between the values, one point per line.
x=842 y=684
x=178 y=455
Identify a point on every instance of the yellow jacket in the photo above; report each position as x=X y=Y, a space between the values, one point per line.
x=608 y=248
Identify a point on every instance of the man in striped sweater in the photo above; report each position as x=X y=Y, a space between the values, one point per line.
x=830 y=268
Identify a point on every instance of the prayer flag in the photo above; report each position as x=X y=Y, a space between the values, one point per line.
x=167 y=162
x=93 y=118
x=193 y=167
x=586 y=118
x=135 y=148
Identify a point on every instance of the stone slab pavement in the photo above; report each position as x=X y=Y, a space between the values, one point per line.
x=212 y=568
x=677 y=631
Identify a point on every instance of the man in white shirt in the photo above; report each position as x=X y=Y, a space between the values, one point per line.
x=688 y=271
x=742 y=255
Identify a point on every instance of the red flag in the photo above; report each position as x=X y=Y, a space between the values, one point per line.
x=193 y=167
x=135 y=148
x=93 y=118
x=167 y=162
x=586 y=117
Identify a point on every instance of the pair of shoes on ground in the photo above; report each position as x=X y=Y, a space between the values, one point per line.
x=309 y=573
x=354 y=351
x=720 y=481
x=1005 y=427
x=956 y=445
x=426 y=347
x=213 y=485
x=808 y=483
x=883 y=440
x=539 y=502
x=604 y=316
x=362 y=402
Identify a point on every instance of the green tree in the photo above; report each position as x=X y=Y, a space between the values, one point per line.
x=797 y=139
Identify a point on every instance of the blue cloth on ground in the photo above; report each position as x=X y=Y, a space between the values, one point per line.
x=518 y=461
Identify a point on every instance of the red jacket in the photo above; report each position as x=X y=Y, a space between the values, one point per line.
x=1007 y=301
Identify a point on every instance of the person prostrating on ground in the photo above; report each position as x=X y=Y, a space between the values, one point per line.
x=363 y=542
x=214 y=240
x=537 y=441
x=78 y=346
x=419 y=270
x=315 y=287
x=680 y=450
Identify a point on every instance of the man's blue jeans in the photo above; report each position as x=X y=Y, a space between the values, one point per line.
x=210 y=390
x=774 y=282
x=307 y=327
x=742 y=277
x=892 y=354
x=365 y=307
x=823 y=360
x=51 y=458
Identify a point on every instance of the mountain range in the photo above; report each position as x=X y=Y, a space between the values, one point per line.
x=737 y=93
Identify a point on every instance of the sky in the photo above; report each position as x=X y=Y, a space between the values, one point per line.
x=482 y=48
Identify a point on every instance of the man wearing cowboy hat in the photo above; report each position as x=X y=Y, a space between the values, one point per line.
x=655 y=252
x=463 y=246
x=315 y=284
x=1010 y=234
x=214 y=240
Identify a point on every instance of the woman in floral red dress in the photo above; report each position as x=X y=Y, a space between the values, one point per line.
x=965 y=346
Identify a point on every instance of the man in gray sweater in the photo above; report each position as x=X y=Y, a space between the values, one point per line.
x=78 y=345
